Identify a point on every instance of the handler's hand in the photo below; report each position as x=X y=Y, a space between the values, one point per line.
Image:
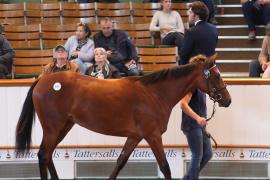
x=201 y=121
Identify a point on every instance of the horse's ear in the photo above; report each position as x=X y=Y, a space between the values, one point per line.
x=212 y=58
x=199 y=58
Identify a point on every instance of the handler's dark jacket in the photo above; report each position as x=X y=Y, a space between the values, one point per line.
x=198 y=105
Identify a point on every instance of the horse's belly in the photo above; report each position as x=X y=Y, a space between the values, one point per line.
x=108 y=126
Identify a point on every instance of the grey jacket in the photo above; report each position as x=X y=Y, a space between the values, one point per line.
x=87 y=51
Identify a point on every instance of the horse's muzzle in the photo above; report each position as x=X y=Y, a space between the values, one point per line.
x=224 y=102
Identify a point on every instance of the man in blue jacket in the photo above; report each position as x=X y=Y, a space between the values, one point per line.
x=201 y=38
x=121 y=51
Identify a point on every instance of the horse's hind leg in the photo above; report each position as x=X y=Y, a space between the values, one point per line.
x=49 y=142
x=45 y=157
x=155 y=142
x=122 y=159
x=42 y=164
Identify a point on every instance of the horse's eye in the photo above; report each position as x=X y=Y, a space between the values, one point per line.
x=217 y=76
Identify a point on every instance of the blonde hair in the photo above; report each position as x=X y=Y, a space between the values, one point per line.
x=103 y=51
x=100 y=49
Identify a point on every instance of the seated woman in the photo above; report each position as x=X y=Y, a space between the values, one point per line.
x=60 y=62
x=262 y=65
x=81 y=48
x=170 y=25
x=102 y=68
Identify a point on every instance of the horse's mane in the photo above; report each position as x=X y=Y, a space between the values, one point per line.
x=174 y=72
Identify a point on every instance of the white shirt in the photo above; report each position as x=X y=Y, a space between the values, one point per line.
x=196 y=22
x=170 y=19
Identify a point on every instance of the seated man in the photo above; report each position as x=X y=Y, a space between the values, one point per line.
x=6 y=56
x=60 y=62
x=121 y=51
x=256 y=12
x=262 y=65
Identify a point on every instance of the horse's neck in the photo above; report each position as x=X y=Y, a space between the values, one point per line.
x=172 y=90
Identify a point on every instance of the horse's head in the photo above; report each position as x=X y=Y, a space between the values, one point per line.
x=211 y=81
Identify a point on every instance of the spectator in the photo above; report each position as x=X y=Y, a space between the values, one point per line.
x=262 y=65
x=201 y=38
x=6 y=56
x=121 y=51
x=256 y=12
x=170 y=25
x=60 y=62
x=81 y=48
x=102 y=68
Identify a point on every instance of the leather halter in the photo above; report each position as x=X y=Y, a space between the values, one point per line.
x=214 y=93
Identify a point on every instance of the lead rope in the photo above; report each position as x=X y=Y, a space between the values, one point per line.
x=213 y=112
x=208 y=119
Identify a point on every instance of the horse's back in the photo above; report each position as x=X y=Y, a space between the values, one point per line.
x=99 y=105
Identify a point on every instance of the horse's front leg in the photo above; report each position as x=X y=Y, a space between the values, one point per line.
x=155 y=142
x=122 y=159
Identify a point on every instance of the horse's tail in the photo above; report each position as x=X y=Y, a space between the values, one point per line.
x=25 y=123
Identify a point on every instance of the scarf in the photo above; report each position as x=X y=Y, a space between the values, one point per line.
x=102 y=73
x=81 y=43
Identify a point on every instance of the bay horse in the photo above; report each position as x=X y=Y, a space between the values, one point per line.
x=133 y=107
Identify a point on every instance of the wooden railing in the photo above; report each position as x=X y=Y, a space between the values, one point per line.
x=146 y=146
x=229 y=81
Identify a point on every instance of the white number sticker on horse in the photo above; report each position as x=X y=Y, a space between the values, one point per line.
x=57 y=86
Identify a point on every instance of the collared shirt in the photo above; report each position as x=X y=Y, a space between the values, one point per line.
x=52 y=68
x=196 y=22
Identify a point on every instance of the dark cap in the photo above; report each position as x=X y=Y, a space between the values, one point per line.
x=60 y=47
